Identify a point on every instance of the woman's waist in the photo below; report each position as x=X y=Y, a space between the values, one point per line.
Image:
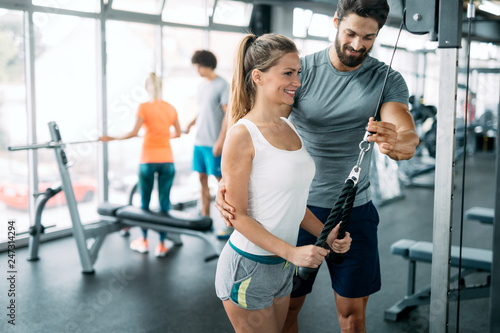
x=268 y=259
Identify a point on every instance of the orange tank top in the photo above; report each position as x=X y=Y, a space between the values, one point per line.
x=158 y=117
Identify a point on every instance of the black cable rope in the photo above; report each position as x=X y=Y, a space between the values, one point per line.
x=344 y=203
x=332 y=221
x=470 y=15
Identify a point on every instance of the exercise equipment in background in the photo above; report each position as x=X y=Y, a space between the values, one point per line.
x=90 y=237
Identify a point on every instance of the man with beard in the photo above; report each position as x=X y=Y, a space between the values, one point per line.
x=340 y=90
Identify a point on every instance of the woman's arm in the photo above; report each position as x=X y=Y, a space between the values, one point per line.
x=177 y=130
x=133 y=133
x=313 y=225
x=236 y=167
x=217 y=149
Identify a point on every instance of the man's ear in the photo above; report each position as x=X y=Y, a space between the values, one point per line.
x=257 y=76
x=336 y=20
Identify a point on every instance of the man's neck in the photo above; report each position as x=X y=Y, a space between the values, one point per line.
x=211 y=76
x=336 y=63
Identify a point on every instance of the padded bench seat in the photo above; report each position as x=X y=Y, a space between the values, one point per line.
x=481 y=214
x=473 y=261
x=422 y=251
x=173 y=218
x=108 y=209
x=175 y=223
x=471 y=258
x=402 y=247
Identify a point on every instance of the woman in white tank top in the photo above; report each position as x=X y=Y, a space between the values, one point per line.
x=267 y=173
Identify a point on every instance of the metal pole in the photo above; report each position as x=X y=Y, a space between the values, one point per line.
x=102 y=113
x=443 y=194
x=29 y=46
x=78 y=232
x=159 y=52
x=495 y=265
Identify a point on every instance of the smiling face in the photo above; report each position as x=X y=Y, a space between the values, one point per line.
x=280 y=82
x=354 y=40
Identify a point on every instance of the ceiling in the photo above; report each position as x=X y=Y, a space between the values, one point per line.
x=484 y=27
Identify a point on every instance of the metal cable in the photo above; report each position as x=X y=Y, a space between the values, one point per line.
x=470 y=14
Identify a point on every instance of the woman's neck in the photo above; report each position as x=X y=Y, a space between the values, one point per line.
x=267 y=113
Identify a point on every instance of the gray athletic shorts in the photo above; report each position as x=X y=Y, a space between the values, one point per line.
x=250 y=284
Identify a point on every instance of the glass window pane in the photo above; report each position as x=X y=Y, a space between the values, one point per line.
x=224 y=45
x=131 y=57
x=180 y=78
x=91 y=6
x=233 y=13
x=65 y=86
x=320 y=25
x=13 y=190
x=180 y=82
x=141 y=6
x=483 y=91
x=193 y=12
x=301 y=21
x=310 y=46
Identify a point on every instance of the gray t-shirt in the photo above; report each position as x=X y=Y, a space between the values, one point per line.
x=212 y=95
x=331 y=112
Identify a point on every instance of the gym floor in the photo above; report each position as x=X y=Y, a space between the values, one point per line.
x=133 y=292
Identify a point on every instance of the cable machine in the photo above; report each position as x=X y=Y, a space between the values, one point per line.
x=443 y=21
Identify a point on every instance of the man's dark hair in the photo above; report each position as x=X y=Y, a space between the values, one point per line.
x=204 y=58
x=375 y=9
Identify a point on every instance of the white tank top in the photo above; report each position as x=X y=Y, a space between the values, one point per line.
x=277 y=190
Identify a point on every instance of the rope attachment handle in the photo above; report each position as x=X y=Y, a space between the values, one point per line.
x=344 y=203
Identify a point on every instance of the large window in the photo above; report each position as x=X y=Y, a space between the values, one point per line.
x=85 y=6
x=193 y=12
x=224 y=46
x=307 y=23
x=14 y=194
x=233 y=13
x=180 y=78
x=131 y=57
x=180 y=82
x=141 y=6
x=66 y=93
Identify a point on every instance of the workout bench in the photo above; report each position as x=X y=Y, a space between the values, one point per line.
x=481 y=214
x=175 y=223
x=473 y=261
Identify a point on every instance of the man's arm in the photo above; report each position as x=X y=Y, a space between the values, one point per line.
x=217 y=150
x=395 y=134
x=191 y=124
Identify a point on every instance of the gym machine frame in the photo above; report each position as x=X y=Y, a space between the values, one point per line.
x=442 y=19
x=97 y=230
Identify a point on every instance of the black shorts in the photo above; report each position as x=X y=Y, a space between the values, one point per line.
x=359 y=274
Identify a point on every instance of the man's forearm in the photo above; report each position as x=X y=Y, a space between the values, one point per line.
x=404 y=149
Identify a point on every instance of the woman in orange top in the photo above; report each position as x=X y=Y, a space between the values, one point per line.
x=157 y=117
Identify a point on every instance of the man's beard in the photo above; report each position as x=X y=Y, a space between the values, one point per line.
x=347 y=60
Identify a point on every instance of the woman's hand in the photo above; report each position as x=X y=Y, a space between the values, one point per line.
x=308 y=256
x=106 y=138
x=222 y=206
